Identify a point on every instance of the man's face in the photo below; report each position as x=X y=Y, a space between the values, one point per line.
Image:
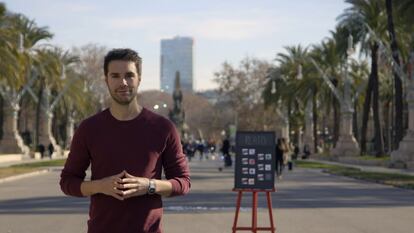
x=123 y=81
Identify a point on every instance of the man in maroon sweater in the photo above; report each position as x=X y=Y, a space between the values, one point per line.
x=127 y=147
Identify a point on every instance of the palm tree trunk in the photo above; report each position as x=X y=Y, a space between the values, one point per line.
x=355 y=121
x=315 y=122
x=365 y=114
x=38 y=112
x=1 y=116
x=379 y=140
x=397 y=81
x=336 y=116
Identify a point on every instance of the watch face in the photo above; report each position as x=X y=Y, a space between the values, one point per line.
x=151 y=188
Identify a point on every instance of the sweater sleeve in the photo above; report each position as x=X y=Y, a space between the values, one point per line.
x=74 y=171
x=175 y=164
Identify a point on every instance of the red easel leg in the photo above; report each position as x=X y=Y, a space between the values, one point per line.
x=254 y=212
x=269 y=206
x=239 y=196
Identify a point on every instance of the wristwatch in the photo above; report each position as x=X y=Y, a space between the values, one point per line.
x=151 y=187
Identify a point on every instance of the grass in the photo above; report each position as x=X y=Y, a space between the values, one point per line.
x=374 y=158
x=394 y=179
x=12 y=171
x=29 y=167
x=48 y=163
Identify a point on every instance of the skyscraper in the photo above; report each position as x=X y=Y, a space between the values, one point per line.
x=176 y=55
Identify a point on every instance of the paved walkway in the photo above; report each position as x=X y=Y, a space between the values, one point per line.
x=306 y=201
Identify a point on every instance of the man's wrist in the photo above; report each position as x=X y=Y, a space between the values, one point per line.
x=152 y=187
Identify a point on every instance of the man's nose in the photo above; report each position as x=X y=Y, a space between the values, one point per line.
x=124 y=82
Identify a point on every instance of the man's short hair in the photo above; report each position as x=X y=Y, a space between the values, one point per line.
x=123 y=55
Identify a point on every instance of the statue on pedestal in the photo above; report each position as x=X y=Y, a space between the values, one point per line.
x=177 y=114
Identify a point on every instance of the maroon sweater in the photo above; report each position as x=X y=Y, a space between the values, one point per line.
x=141 y=146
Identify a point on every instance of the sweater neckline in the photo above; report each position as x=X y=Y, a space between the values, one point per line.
x=138 y=117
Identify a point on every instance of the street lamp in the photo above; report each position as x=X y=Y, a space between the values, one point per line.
x=158 y=106
x=299 y=75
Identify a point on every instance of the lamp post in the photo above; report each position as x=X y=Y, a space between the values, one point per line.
x=346 y=144
x=281 y=110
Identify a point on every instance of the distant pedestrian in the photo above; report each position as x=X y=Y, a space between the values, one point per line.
x=295 y=152
x=306 y=152
x=225 y=149
x=51 y=149
x=280 y=157
x=41 y=150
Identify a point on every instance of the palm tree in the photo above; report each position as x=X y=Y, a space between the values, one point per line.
x=358 y=72
x=22 y=34
x=361 y=17
x=329 y=59
x=54 y=64
x=397 y=79
x=308 y=89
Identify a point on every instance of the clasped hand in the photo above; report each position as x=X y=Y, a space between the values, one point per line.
x=124 y=185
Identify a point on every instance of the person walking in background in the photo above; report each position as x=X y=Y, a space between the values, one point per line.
x=287 y=154
x=51 y=149
x=225 y=149
x=280 y=158
x=306 y=152
x=127 y=147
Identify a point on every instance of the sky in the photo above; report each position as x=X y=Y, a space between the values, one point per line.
x=223 y=30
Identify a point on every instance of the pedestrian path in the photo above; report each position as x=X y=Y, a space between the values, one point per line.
x=306 y=200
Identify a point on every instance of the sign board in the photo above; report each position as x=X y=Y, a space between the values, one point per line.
x=255 y=160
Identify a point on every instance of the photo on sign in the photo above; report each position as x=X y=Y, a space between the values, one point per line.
x=245 y=170
x=245 y=151
x=252 y=171
x=260 y=167
x=260 y=156
x=245 y=181
x=251 y=181
x=252 y=161
x=268 y=156
x=260 y=177
x=245 y=161
x=268 y=167
x=252 y=151
x=268 y=176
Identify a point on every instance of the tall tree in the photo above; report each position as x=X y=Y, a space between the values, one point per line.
x=397 y=79
x=363 y=17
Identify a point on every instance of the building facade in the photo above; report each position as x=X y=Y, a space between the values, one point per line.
x=176 y=55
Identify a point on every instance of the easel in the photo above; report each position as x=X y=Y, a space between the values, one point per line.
x=254 y=228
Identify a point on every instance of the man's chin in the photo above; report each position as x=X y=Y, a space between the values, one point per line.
x=123 y=102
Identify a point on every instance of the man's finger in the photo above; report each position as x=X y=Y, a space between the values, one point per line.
x=129 y=175
x=119 y=197
x=129 y=192
x=121 y=174
x=129 y=180
x=118 y=191
x=129 y=185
